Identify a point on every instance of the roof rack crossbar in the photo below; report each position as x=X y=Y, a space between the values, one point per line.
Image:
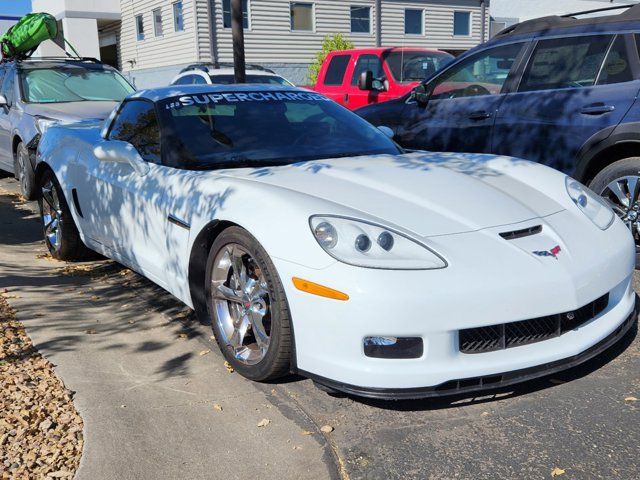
x=596 y=10
x=206 y=66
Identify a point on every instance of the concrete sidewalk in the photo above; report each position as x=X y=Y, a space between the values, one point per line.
x=146 y=375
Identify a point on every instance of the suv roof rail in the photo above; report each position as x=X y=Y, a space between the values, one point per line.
x=205 y=67
x=52 y=58
x=631 y=13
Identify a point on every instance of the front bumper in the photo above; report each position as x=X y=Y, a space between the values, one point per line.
x=489 y=281
x=490 y=382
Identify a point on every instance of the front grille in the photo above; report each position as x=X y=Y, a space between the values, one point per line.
x=515 y=334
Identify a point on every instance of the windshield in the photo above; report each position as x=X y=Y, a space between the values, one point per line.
x=268 y=79
x=260 y=128
x=415 y=65
x=73 y=84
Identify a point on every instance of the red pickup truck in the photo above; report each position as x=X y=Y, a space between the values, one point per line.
x=359 y=77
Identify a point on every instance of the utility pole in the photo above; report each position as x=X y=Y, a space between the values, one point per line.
x=237 y=32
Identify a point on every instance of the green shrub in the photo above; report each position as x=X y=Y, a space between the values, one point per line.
x=329 y=44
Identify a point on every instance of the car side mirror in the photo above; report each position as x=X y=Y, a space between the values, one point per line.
x=365 y=80
x=387 y=131
x=121 y=152
x=421 y=95
x=3 y=101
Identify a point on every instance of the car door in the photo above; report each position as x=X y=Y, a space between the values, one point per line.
x=6 y=155
x=334 y=81
x=359 y=98
x=124 y=210
x=463 y=101
x=571 y=88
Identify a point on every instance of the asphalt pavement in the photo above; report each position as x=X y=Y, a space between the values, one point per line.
x=158 y=402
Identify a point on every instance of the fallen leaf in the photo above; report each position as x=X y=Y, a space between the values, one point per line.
x=630 y=399
x=90 y=332
x=326 y=429
x=212 y=337
x=131 y=322
x=556 y=472
x=264 y=422
x=229 y=368
x=95 y=297
x=204 y=352
x=307 y=432
x=484 y=414
x=183 y=336
x=217 y=407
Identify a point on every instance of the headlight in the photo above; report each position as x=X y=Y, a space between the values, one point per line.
x=364 y=244
x=42 y=123
x=592 y=205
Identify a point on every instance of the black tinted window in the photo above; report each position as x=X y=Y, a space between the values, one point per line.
x=256 y=128
x=370 y=63
x=8 y=87
x=336 y=70
x=137 y=124
x=565 y=63
x=616 y=68
x=186 y=80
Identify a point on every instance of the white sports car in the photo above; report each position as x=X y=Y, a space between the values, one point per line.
x=313 y=244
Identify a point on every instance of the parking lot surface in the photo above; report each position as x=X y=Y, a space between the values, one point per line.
x=158 y=402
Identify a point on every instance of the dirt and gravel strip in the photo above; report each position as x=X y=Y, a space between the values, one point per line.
x=40 y=430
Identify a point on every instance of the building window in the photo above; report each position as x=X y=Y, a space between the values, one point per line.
x=360 y=19
x=226 y=13
x=413 y=22
x=302 y=17
x=139 y=27
x=462 y=23
x=178 y=19
x=157 y=22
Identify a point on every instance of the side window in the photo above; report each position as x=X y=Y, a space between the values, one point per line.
x=198 y=80
x=616 y=68
x=8 y=87
x=336 y=70
x=565 y=63
x=137 y=124
x=2 y=70
x=482 y=74
x=367 y=62
x=190 y=80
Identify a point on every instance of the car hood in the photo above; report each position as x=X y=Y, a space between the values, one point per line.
x=427 y=193
x=72 y=111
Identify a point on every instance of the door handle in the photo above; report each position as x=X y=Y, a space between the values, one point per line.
x=346 y=98
x=482 y=115
x=597 y=109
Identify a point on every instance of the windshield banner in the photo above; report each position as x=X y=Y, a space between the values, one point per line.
x=228 y=98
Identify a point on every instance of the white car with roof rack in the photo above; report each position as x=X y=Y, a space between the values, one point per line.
x=223 y=74
x=313 y=244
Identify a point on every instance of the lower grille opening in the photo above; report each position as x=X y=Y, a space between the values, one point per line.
x=515 y=334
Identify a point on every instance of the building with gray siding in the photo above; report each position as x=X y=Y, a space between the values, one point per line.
x=6 y=22
x=156 y=38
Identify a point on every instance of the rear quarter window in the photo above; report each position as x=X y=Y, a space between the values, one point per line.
x=336 y=70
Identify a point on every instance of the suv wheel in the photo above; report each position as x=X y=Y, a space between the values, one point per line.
x=619 y=183
x=24 y=173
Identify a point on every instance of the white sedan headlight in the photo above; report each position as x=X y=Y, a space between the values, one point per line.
x=364 y=244
x=591 y=204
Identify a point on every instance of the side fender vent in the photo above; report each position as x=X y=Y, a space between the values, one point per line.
x=76 y=203
x=525 y=232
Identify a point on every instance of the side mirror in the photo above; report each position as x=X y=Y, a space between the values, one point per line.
x=387 y=131
x=421 y=95
x=121 y=152
x=365 y=80
x=3 y=101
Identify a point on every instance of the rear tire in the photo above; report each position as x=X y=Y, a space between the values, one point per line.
x=60 y=232
x=248 y=307
x=620 y=184
x=24 y=172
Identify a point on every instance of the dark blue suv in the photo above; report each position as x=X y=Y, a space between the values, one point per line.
x=562 y=91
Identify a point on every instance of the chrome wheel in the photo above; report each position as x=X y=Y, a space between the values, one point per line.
x=52 y=215
x=622 y=195
x=242 y=304
x=22 y=162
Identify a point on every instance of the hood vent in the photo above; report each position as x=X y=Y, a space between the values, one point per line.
x=525 y=232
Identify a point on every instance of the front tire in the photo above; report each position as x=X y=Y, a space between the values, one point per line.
x=619 y=183
x=248 y=307
x=24 y=173
x=60 y=232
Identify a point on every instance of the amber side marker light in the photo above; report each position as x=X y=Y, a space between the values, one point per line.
x=320 y=290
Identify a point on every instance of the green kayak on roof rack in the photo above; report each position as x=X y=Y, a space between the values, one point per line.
x=23 y=38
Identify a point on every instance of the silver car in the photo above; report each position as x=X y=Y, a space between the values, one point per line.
x=36 y=93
